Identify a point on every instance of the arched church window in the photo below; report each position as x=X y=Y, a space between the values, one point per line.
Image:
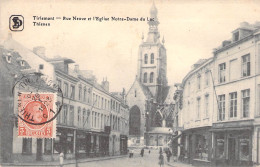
x=151 y=77
x=152 y=58
x=145 y=77
x=145 y=59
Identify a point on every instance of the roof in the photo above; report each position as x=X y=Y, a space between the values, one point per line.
x=145 y=90
x=161 y=97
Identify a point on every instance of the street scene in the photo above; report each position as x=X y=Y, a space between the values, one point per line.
x=165 y=88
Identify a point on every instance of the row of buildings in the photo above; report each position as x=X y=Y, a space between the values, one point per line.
x=220 y=104
x=92 y=122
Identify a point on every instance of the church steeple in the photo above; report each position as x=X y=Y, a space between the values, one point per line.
x=153 y=23
x=153 y=34
x=152 y=61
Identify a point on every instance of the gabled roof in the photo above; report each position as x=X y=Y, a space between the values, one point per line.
x=144 y=89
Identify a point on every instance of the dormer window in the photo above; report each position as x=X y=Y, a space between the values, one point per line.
x=8 y=57
x=22 y=63
x=236 y=36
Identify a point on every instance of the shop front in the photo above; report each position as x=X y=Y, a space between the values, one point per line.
x=64 y=142
x=123 y=144
x=195 y=146
x=99 y=145
x=233 y=143
x=83 y=144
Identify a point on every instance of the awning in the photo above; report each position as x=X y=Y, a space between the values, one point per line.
x=230 y=129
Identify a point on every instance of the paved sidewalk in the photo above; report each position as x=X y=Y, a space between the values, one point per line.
x=66 y=162
x=178 y=164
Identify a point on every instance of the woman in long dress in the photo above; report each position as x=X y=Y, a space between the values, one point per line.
x=161 y=159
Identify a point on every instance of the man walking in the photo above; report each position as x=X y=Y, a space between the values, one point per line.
x=169 y=154
x=142 y=152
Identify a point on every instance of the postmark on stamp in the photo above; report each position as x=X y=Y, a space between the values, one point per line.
x=35 y=111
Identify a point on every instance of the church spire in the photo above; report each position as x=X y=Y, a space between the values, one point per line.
x=153 y=22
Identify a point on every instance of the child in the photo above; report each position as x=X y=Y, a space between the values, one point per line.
x=61 y=159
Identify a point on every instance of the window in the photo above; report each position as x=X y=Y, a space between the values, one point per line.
x=152 y=58
x=198 y=81
x=102 y=103
x=85 y=95
x=145 y=59
x=27 y=146
x=151 y=77
x=236 y=36
x=246 y=65
x=245 y=103
x=71 y=116
x=220 y=146
x=233 y=105
x=258 y=101
x=47 y=146
x=198 y=109
x=80 y=90
x=66 y=87
x=206 y=106
x=72 y=93
x=95 y=122
x=221 y=108
x=201 y=147
x=79 y=116
x=59 y=83
x=187 y=112
x=145 y=77
x=65 y=110
x=244 y=149
x=207 y=78
x=84 y=116
x=222 y=75
x=59 y=115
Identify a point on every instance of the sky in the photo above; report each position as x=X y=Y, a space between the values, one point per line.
x=191 y=29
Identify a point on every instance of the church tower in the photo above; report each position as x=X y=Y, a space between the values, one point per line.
x=152 y=59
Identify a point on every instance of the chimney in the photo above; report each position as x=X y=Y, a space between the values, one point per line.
x=76 y=68
x=105 y=84
x=40 y=51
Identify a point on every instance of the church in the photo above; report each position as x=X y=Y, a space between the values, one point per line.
x=150 y=99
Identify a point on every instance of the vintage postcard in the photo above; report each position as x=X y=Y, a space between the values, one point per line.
x=129 y=83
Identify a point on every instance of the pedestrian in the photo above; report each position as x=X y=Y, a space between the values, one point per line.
x=169 y=154
x=131 y=154
x=142 y=152
x=149 y=151
x=161 y=159
x=61 y=158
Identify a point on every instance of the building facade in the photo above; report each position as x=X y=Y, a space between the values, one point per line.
x=196 y=114
x=221 y=104
x=93 y=122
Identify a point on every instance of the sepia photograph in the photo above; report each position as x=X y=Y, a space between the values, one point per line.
x=141 y=83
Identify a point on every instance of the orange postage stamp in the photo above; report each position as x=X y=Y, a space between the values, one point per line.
x=36 y=115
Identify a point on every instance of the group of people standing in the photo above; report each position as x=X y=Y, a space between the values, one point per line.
x=161 y=157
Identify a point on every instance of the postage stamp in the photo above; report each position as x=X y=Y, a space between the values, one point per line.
x=36 y=113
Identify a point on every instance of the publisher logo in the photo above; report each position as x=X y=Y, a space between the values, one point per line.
x=16 y=23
